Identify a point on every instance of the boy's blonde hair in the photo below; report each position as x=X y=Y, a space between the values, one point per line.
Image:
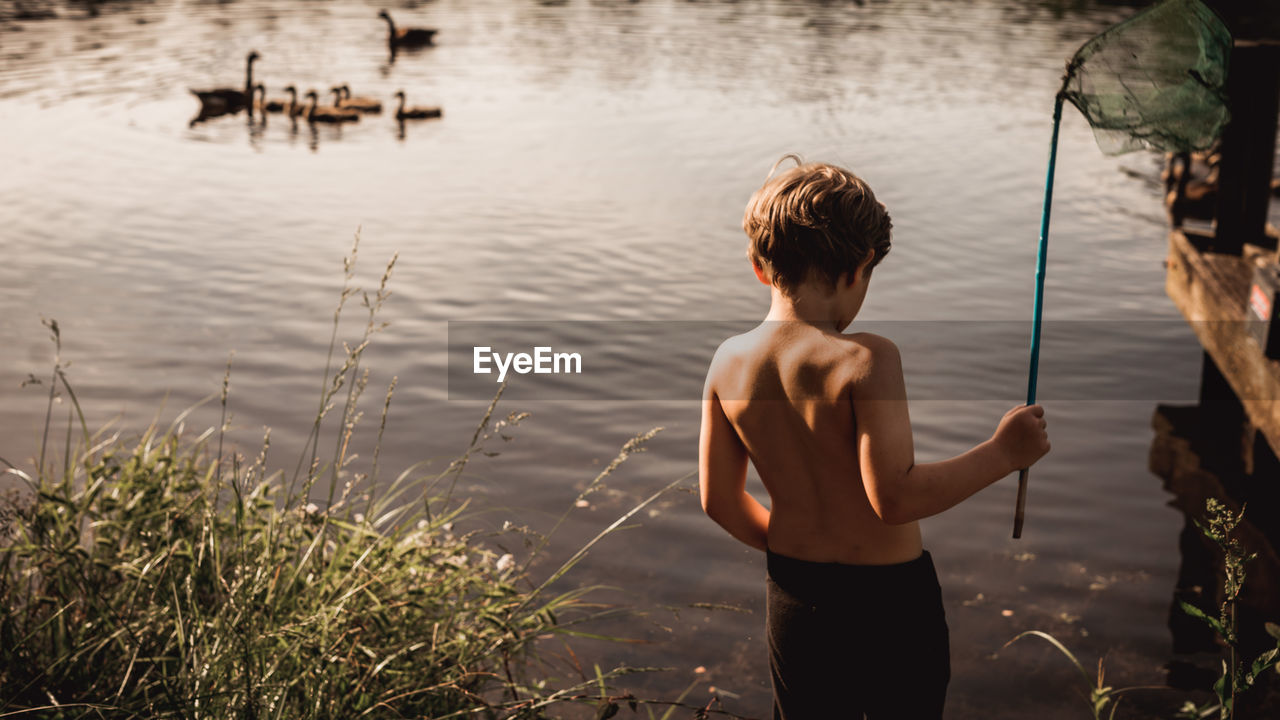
x=814 y=219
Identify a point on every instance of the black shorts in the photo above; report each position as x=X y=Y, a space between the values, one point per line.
x=851 y=639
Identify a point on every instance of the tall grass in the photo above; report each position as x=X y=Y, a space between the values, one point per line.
x=167 y=575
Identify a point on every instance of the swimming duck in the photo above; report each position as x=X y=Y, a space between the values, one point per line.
x=277 y=105
x=363 y=104
x=221 y=101
x=415 y=113
x=406 y=37
x=328 y=114
x=295 y=108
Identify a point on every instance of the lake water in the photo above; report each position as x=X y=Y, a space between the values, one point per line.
x=590 y=170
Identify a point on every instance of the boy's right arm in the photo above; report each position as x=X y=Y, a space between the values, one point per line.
x=722 y=472
x=901 y=491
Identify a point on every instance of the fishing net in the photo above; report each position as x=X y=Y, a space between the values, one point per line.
x=1156 y=80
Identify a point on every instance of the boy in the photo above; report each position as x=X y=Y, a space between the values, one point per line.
x=855 y=620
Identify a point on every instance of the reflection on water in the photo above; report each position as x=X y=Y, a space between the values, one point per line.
x=593 y=167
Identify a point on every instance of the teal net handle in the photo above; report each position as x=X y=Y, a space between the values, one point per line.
x=1041 y=259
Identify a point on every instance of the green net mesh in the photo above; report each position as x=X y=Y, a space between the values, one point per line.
x=1155 y=81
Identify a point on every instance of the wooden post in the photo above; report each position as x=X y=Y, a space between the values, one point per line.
x=1248 y=145
x=1225 y=433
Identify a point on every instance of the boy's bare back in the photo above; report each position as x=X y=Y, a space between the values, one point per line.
x=789 y=390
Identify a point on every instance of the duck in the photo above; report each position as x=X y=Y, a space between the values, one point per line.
x=363 y=104
x=221 y=101
x=406 y=37
x=415 y=113
x=328 y=114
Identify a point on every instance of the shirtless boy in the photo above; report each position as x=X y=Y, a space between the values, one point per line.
x=855 y=620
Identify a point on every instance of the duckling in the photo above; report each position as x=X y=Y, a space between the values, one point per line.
x=406 y=37
x=274 y=106
x=415 y=113
x=363 y=104
x=221 y=101
x=328 y=114
x=295 y=108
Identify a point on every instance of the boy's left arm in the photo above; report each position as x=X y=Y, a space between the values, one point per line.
x=722 y=477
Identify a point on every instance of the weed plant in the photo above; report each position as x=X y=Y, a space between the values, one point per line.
x=170 y=576
x=1238 y=674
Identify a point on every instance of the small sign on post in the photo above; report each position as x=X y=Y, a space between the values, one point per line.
x=1264 y=295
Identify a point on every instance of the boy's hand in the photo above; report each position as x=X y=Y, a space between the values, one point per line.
x=1021 y=436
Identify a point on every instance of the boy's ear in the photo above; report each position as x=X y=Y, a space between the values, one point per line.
x=760 y=274
x=863 y=268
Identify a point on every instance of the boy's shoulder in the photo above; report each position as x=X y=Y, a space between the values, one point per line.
x=737 y=346
x=877 y=367
x=880 y=351
x=876 y=344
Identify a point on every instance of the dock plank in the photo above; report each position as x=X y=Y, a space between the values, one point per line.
x=1211 y=290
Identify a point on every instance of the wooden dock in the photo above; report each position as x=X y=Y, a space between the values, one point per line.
x=1226 y=446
